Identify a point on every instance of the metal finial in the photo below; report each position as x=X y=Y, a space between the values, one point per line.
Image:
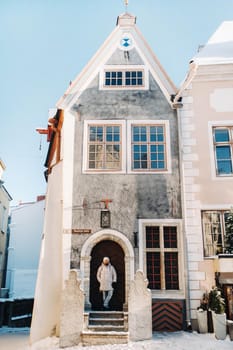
x=126 y=5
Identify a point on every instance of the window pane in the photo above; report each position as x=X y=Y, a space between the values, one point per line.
x=224 y=162
x=156 y=134
x=136 y=165
x=109 y=133
x=161 y=165
x=91 y=164
x=135 y=133
x=223 y=152
x=212 y=234
x=171 y=270
x=153 y=269
x=143 y=134
x=157 y=157
x=92 y=133
x=116 y=133
x=152 y=237
x=221 y=135
x=170 y=237
x=224 y=167
x=99 y=133
x=113 y=78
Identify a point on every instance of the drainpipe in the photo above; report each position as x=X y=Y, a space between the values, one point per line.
x=177 y=105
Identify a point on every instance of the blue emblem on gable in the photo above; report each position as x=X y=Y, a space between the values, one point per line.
x=126 y=42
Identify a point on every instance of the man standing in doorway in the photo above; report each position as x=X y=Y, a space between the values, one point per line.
x=106 y=276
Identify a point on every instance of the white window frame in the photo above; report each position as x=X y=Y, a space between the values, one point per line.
x=146 y=122
x=124 y=68
x=122 y=124
x=163 y=293
x=214 y=175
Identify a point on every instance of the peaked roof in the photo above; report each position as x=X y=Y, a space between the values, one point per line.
x=219 y=48
x=126 y=23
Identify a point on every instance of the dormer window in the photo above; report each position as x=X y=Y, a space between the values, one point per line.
x=124 y=78
x=127 y=77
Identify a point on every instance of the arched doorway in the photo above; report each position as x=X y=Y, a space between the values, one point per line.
x=116 y=254
x=85 y=261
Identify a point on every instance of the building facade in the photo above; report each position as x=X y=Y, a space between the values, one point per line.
x=5 y=199
x=25 y=227
x=206 y=129
x=114 y=181
x=142 y=173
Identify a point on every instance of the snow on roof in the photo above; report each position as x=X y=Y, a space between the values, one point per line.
x=219 y=48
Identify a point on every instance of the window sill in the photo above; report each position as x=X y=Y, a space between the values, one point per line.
x=97 y=172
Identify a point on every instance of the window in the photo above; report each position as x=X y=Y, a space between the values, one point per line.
x=162 y=260
x=223 y=147
x=124 y=78
x=148 y=146
x=104 y=147
x=214 y=225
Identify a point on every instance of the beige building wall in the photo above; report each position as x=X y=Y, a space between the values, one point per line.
x=207 y=102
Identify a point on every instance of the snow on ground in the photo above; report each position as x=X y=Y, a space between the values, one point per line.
x=18 y=339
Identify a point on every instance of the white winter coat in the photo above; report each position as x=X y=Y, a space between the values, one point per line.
x=106 y=275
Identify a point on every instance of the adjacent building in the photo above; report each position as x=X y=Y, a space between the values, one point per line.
x=5 y=199
x=25 y=228
x=206 y=138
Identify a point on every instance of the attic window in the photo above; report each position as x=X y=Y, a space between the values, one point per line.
x=124 y=78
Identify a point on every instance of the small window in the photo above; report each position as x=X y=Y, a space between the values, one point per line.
x=217 y=228
x=148 y=147
x=124 y=78
x=162 y=260
x=223 y=143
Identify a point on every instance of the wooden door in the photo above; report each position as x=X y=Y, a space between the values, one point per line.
x=116 y=255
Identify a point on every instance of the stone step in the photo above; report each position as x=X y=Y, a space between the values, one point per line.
x=106 y=314
x=106 y=321
x=102 y=338
x=106 y=328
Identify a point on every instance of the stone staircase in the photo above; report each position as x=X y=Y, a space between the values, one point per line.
x=105 y=327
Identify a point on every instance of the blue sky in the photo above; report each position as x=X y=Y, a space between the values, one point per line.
x=45 y=44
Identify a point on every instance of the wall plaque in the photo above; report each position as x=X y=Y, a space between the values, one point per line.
x=80 y=230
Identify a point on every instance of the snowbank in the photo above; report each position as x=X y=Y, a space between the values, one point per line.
x=18 y=339
x=160 y=341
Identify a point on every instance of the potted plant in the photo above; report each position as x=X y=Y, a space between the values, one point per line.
x=202 y=311
x=217 y=305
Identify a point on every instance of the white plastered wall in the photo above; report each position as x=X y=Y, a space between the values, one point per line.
x=48 y=287
x=55 y=252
